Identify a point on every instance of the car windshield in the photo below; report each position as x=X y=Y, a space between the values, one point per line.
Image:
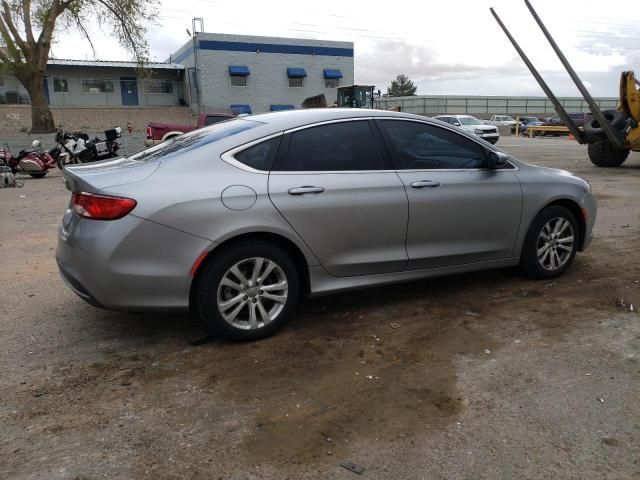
x=196 y=139
x=469 y=121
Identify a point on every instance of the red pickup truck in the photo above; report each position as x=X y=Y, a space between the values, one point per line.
x=159 y=132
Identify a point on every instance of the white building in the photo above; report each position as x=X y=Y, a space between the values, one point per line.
x=260 y=74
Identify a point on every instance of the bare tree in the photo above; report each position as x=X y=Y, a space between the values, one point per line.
x=28 y=27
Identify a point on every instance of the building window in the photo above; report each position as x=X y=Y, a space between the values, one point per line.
x=97 y=86
x=1 y=81
x=331 y=82
x=296 y=82
x=60 y=85
x=237 y=81
x=158 y=86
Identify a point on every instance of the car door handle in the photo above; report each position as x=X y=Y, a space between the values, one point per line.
x=305 y=190
x=425 y=184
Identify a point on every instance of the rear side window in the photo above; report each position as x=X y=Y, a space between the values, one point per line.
x=195 y=140
x=260 y=156
x=343 y=146
x=419 y=146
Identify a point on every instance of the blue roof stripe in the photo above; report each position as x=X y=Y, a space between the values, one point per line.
x=274 y=48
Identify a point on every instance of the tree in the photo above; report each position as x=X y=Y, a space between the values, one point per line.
x=28 y=27
x=401 y=87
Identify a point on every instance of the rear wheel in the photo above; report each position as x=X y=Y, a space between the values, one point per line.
x=248 y=291
x=38 y=174
x=551 y=243
x=602 y=155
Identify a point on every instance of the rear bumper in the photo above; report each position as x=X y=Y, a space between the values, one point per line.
x=127 y=264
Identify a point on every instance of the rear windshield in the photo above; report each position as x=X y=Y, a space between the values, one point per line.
x=196 y=139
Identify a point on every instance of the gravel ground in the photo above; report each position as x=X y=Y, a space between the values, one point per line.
x=480 y=376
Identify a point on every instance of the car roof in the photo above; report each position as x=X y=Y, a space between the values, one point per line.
x=287 y=119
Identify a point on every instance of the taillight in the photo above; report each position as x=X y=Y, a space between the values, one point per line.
x=101 y=207
x=149 y=135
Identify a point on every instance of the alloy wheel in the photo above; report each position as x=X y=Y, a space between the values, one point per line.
x=252 y=293
x=555 y=243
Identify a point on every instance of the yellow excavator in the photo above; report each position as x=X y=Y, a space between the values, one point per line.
x=609 y=134
x=350 y=96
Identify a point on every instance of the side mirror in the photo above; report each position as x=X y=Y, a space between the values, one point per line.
x=456 y=124
x=497 y=160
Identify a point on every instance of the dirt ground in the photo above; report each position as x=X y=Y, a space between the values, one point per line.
x=481 y=376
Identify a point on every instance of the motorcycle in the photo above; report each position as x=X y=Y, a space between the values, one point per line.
x=35 y=161
x=76 y=147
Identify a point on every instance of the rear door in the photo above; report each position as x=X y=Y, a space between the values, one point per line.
x=337 y=189
x=459 y=211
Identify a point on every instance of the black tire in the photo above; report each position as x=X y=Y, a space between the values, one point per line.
x=602 y=155
x=207 y=291
x=616 y=119
x=38 y=174
x=529 y=261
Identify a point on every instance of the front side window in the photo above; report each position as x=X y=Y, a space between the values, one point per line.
x=331 y=82
x=296 y=82
x=97 y=86
x=344 y=146
x=158 y=86
x=60 y=85
x=419 y=146
x=260 y=156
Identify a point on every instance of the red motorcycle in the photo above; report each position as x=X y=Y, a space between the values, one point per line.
x=35 y=161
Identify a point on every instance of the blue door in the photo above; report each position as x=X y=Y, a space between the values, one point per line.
x=129 y=89
x=45 y=87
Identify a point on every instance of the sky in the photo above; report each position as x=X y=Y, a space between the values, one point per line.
x=447 y=47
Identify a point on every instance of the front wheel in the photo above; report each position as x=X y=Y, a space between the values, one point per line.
x=248 y=291
x=551 y=243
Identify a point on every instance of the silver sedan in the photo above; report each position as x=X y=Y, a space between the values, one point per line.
x=236 y=221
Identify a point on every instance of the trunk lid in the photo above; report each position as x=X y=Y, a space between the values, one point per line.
x=95 y=176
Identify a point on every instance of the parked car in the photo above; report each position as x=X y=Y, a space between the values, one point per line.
x=527 y=122
x=503 y=121
x=239 y=219
x=579 y=118
x=159 y=132
x=472 y=125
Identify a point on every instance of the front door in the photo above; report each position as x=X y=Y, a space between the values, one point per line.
x=129 y=90
x=459 y=211
x=337 y=190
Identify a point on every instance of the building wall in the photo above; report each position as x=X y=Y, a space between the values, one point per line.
x=17 y=118
x=76 y=97
x=267 y=83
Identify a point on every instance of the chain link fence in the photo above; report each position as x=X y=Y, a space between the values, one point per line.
x=484 y=107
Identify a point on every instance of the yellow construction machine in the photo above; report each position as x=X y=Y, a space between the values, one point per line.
x=609 y=134
x=350 y=96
